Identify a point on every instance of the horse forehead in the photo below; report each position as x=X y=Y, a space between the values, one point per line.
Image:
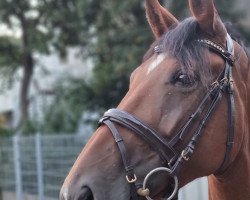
x=155 y=62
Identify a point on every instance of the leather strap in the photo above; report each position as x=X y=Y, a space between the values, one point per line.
x=130 y=175
x=231 y=113
x=144 y=131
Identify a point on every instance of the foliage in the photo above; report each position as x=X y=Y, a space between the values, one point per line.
x=42 y=26
x=71 y=98
x=6 y=132
x=9 y=60
x=120 y=37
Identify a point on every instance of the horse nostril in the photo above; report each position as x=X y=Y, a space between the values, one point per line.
x=86 y=194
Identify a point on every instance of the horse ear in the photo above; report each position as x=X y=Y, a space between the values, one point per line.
x=208 y=19
x=159 y=18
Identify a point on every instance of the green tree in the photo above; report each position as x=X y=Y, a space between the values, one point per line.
x=122 y=35
x=72 y=97
x=43 y=25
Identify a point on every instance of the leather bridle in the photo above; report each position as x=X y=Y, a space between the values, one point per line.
x=172 y=155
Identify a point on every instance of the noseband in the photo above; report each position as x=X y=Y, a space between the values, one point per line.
x=172 y=155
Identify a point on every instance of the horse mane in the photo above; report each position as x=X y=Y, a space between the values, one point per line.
x=180 y=42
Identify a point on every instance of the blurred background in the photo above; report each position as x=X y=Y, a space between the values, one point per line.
x=62 y=64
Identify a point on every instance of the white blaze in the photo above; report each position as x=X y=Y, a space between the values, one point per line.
x=155 y=63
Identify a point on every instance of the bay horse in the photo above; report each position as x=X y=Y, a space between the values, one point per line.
x=186 y=115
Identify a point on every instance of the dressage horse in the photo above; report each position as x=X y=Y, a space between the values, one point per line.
x=186 y=115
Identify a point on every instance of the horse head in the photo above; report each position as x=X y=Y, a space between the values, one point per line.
x=185 y=115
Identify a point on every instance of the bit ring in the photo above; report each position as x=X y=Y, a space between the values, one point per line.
x=144 y=187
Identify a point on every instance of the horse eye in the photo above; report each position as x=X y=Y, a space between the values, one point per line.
x=184 y=80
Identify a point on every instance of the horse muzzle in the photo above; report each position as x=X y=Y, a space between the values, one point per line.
x=84 y=193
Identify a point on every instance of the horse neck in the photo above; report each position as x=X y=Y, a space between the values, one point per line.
x=235 y=182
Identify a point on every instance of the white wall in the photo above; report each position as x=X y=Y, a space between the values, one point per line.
x=196 y=190
x=6 y=101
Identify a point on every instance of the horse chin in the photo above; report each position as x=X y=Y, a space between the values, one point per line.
x=167 y=192
x=97 y=193
x=170 y=189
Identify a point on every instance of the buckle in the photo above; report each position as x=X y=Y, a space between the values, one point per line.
x=131 y=180
x=184 y=155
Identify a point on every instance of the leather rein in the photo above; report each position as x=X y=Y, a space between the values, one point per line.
x=172 y=155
